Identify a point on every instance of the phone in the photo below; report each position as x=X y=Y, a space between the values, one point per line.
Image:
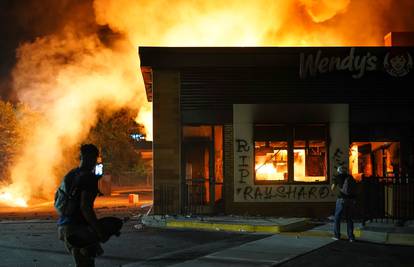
x=99 y=169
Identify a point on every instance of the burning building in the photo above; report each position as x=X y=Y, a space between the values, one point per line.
x=261 y=130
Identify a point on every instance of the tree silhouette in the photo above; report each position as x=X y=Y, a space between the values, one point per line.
x=112 y=134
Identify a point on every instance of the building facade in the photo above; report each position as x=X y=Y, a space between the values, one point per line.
x=261 y=131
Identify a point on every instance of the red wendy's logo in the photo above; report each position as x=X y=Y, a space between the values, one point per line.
x=398 y=64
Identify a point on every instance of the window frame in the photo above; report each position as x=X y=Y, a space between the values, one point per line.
x=380 y=140
x=290 y=149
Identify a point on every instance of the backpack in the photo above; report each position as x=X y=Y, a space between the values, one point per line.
x=67 y=198
x=349 y=186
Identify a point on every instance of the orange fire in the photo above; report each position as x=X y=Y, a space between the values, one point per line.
x=67 y=76
x=273 y=166
x=353 y=161
x=13 y=197
x=145 y=117
x=12 y=200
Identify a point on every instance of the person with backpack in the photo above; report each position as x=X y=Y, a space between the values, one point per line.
x=344 y=185
x=78 y=226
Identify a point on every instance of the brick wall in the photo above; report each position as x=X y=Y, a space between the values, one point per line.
x=228 y=167
x=167 y=138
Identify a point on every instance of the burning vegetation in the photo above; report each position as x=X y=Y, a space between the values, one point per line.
x=90 y=63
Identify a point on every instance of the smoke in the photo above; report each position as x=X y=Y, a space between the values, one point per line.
x=87 y=60
x=68 y=77
x=261 y=22
x=25 y=20
x=324 y=10
x=68 y=73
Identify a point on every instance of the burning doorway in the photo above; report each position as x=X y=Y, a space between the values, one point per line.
x=202 y=160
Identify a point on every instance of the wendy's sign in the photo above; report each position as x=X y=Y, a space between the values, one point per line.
x=396 y=63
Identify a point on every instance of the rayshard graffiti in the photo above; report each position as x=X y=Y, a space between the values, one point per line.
x=247 y=191
x=286 y=193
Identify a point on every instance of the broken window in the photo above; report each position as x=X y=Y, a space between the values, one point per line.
x=271 y=153
x=374 y=159
x=310 y=161
x=271 y=161
x=310 y=153
x=274 y=145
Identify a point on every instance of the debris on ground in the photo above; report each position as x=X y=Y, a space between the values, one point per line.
x=139 y=217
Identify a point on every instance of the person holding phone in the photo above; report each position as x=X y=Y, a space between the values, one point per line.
x=84 y=222
x=99 y=169
x=344 y=186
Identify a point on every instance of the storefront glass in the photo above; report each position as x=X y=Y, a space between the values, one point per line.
x=271 y=161
x=202 y=155
x=275 y=143
x=374 y=159
x=309 y=161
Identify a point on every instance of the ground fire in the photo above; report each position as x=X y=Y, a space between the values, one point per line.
x=69 y=75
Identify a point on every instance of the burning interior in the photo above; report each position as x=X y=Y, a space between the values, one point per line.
x=203 y=159
x=374 y=159
x=274 y=146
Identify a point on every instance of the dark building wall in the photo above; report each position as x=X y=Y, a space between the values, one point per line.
x=228 y=168
x=167 y=140
x=219 y=88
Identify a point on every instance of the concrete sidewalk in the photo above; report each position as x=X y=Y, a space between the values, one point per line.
x=291 y=240
x=268 y=251
x=378 y=232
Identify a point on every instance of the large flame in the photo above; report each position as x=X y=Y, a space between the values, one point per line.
x=353 y=161
x=69 y=75
x=145 y=117
x=323 y=10
x=13 y=197
x=273 y=167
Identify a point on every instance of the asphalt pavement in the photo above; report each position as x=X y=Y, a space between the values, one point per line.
x=29 y=238
x=365 y=254
x=34 y=243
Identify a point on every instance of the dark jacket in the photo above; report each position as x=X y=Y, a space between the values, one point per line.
x=339 y=182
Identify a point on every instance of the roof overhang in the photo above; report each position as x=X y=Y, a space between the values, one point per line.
x=147 y=76
x=179 y=58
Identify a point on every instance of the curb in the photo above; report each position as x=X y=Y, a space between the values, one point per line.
x=236 y=227
x=322 y=233
x=401 y=239
x=390 y=238
x=371 y=236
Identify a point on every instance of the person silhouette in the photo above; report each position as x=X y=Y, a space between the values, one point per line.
x=81 y=231
x=345 y=202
